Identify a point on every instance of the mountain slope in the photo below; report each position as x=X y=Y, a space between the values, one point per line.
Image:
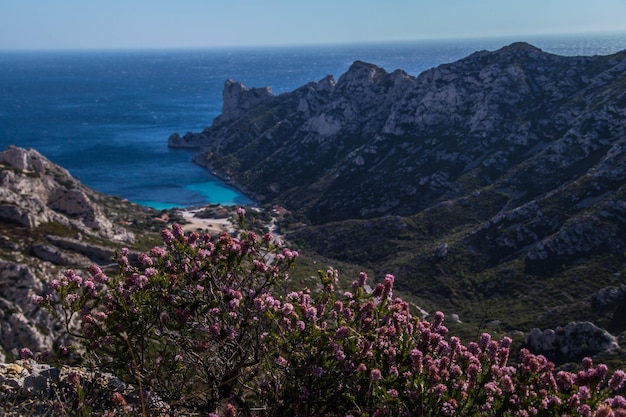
x=483 y=182
x=50 y=221
x=375 y=143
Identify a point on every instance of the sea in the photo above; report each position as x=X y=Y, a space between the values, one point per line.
x=105 y=115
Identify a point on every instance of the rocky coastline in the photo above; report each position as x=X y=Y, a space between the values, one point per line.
x=506 y=167
x=495 y=178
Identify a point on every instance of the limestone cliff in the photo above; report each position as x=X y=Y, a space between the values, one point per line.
x=34 y=191
x=49 y=221
x=376 y=143
x=500 y=175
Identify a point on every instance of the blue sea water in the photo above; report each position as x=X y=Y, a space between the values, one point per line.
x=106 y=115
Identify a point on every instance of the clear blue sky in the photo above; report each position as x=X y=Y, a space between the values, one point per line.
x=88 y=24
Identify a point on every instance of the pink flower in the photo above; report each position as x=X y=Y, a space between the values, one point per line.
x=215 y=329
x=26 y=353
x=70 y=298
x=362 y=279
x=565 y=380
x=618 y=402
x=91 y=287
x=178 y=230
x=506 y=342
x=438 y=319
x=617 y=380
x=507 y=384
x=601 y=371
x=604 y=411
x=376 y=375
x=145 y=260
x=342 y=332
x=472 y=374
x=584 y=393
x=449 y=407
x=388 y=286
x=485 y=338
x=310 y=313
x=97 y=274
x=416 y=358
x=159 y=252
x=230 y=410
x=378 y=290
x=584 y=410
x=118 y=400
x=317 y=371
x=259 y=266
x=287 y=309
x=167 y=237
x=439 y=390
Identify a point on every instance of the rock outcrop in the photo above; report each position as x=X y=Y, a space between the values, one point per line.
x=29 y=388
x=573 y=341
x=33 y=191
x=49 y=221
x=21 y=321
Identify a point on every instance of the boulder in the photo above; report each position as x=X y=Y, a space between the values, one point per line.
x=573 y=341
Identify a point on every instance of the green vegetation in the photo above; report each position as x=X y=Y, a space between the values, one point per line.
x=203 y=324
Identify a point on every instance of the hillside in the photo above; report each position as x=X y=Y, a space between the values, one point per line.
x=49 y=221
x=492 y=187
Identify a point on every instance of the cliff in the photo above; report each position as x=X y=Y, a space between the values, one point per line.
x=50 y=221
x=496 y=177
x=376 y=143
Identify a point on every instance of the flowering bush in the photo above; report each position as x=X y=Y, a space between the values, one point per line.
x=186 y=323
x=364 y=354
x=197 y=323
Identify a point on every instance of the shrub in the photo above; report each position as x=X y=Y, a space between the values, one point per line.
x=186 y=323
x=197 y=323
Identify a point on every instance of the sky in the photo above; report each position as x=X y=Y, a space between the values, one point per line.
x=133 y=24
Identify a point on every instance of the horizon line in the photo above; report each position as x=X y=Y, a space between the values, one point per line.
x=511 y=38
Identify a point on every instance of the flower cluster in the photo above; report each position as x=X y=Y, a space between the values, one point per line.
x=365 y=354
x=197 y=322
x=187 y=322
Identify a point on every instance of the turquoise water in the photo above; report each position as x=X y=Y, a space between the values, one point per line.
x=214 y=192
x=106 y=116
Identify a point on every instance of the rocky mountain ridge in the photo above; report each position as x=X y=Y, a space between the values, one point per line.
x=497 y=177
x=375 y=143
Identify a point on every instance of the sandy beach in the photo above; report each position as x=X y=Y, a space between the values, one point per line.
x=213 y=226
